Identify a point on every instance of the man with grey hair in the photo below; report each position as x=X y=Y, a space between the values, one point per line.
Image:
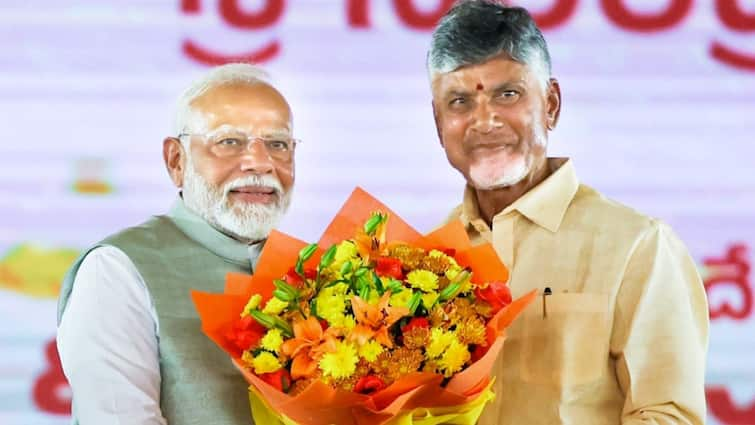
x=621 y=331
x=128 y=335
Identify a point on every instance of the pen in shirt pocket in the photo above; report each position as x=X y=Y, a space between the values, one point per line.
x=547 y=291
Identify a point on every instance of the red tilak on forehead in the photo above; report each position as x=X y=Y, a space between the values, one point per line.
x=480 y=87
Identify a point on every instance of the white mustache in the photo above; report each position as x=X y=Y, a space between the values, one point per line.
x=267 y=181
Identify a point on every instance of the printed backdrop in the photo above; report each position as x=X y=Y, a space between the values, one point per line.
x=659 y=113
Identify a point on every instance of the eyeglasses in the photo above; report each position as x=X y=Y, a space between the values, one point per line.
x=235 y=143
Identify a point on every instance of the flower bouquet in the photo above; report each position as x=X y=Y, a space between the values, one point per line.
x=374 y=324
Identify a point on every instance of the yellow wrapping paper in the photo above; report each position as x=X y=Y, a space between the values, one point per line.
x=466 y=414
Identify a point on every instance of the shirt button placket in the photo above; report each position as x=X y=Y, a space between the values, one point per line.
x=503 y=238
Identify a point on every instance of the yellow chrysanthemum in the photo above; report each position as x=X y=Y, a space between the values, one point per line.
x=440 y=340
x=341 y=363
x=441 y=254
x=345 y=251
x=374 y=297
x=401 y=299
x=265 y=362
x=454 y=358
x=344 y=321
x=422 y=279
x=453 y=271
x=429 y=299
x=274 y=306
x=254 y=302
x=437 y=254
x=331 y=303
x=370 y=351
x=272 y=340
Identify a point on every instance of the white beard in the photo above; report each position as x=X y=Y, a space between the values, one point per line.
x=488 y=174
x=503 y=169
x=244 y=221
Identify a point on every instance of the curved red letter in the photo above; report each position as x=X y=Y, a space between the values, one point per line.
x=190 y=6
x=357 y=13
x=734 y=18
x=618 y=13
x=732 y=15
x=557 y=15
x=409 y=14
x=206 y=57
x=49 y=386
x=723 y=408
x=231 y=13
x=733 y=271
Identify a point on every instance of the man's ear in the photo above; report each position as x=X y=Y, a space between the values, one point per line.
x=437 y=123
x=553 y=105
x=175 y=160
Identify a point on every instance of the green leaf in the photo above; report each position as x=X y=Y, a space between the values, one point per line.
x=270 y=322
x=372 y=224
x=363 y=281
x=364 y=293
x=313 y=307
x=395 y=286
x=414 y=302
x=462 y=277
x=284 y=326
x=449 y=292
x=328 y=258
x=307 y=252
x=285 y=287
x=346 y=268
x=263 y=319
x=361 y=271
x=378 y=283
x=335 y=282
x=282 y=295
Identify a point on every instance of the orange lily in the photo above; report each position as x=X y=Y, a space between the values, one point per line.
x=307 y=346
x=371 y=246
x=373 y=321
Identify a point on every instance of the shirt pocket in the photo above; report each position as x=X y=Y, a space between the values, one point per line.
x=569 y=345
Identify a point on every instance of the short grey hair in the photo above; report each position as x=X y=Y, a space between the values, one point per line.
x=475 y=31
x=218 y=76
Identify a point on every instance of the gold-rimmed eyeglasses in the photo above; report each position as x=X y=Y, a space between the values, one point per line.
x=235 y=143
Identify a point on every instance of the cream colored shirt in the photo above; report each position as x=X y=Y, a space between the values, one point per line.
x=623 y=337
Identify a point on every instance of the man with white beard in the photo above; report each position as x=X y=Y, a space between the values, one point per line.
x=129 y=339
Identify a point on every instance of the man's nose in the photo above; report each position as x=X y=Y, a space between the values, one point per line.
x=486 y=119
x=256 y=159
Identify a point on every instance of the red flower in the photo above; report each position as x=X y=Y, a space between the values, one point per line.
x=451 y=252
x=324 y=324
x=245 y=333
x=479 y=351
x=369 y=384
x=293 y=278
x=416 y=322
x=389 y=266
x=497 y=294
x=280 y=379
